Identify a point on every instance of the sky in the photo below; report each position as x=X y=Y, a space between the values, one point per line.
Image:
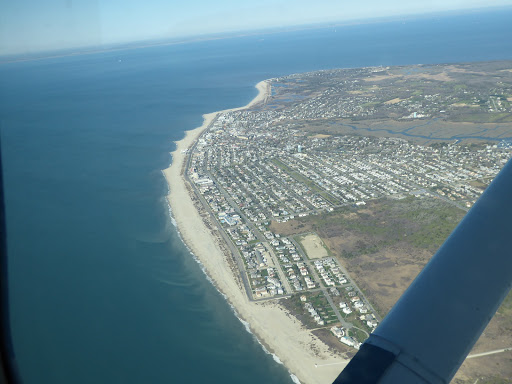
x=29 y=26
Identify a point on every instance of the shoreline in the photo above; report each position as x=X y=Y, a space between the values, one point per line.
x=277 y=331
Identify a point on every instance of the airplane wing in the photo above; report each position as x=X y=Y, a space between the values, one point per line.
x=429 y=332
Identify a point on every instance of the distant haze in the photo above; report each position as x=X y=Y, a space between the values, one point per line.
x=28 y=26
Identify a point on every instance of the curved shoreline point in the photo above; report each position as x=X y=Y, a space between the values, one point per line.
x=302 y=353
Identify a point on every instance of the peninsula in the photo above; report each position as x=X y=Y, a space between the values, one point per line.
x=313 y=207
x=285 y=336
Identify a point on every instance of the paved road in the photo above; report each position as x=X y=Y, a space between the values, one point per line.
x=325 y=365
x=322 y=288
x=345 y=324
x=278 y=268
x=256 y=232
x=360 y=292
x=489 y=353
x=234 y=251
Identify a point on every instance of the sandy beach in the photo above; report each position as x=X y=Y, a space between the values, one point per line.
x=305 y=356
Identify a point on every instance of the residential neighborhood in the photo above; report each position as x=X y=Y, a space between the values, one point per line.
x=265 y=165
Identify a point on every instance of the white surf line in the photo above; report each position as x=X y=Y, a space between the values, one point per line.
x=489 y=353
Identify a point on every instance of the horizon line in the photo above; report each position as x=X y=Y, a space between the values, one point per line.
x=44 y=54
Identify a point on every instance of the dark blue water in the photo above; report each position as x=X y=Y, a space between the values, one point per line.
x=102 y=289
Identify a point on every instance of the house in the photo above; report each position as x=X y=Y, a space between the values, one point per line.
x=338 y=332
x=261 y=292
x=347 y=340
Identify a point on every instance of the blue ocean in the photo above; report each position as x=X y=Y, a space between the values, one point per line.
x=102 y=289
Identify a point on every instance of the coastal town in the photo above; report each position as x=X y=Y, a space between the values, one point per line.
x=253 y=167
x=342 y=142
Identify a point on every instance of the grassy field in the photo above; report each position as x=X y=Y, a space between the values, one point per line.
x=319 y=302
x=358 y=334
x=383 y=245
x=412 y=222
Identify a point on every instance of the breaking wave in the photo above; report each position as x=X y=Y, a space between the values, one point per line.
x=233 y=309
